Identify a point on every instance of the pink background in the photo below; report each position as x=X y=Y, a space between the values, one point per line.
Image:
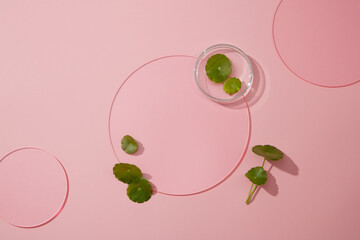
x=61 y=63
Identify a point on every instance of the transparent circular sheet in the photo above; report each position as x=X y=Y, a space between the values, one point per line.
x=33 y=187
x=318 y=40
x=188 y=143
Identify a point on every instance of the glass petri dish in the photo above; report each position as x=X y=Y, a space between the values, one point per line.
x=241 y=68
x=33 y=187
x=188 y=144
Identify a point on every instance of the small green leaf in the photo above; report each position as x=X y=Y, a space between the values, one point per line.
x=139 y=190
x=232 y=85
x=218 y=68
x=268 y=152
x=126 y=173
x=128 y=144
x=257 y=175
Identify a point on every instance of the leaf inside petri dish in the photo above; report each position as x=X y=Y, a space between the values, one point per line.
x=232 y=85
x=218 y=68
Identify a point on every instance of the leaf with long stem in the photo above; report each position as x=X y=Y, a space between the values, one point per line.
x=269 y=152
x=257 y=176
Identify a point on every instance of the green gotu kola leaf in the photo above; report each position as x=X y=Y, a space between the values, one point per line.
x=232 y=85
x=127 y=173
x=218 y=68
x=257 y=175
x=128 y=144
x=139 y=190
x=268 y=152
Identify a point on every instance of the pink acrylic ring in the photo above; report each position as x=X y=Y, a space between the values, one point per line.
x=318 y=40
x=187 y=143
x=33 y=187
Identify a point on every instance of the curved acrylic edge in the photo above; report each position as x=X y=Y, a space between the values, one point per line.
x=65 y=197
x=287 y=66
x=187 y=194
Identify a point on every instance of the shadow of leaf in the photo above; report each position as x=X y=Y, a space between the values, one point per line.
x=148 y=177
x=271 y=186
x=153 y=188
x=287 y=165
x=258 y=87
x=256 y=90
x=140 y=149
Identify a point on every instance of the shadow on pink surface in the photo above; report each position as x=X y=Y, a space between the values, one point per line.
x=258 y=87
x=255 y=92
x=286 y=165
x=140 y=149
x=271 y=186
x=148 y=177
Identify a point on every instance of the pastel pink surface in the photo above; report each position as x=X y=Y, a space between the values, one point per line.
x=61 y=64
x=33 y=187
x=188 y=143
x=319 y=40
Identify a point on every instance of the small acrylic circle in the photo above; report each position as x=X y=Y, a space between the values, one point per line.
x=187 y=143
x=241 y=68
x=33 y=187
x=318 y=40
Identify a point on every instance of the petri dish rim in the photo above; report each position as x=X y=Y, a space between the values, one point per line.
x=243 y=54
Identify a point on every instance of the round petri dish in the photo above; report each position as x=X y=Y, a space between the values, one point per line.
x=241 y=68
x=318 y=40
x=187 y=143
x=33 y=187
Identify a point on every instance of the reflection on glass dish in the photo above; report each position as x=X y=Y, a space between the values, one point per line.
x=240 y=68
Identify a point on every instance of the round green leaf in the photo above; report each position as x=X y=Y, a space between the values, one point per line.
x=232 y=85
x=218 y=68
x=257 y=175
x=128 y=144
x=268 y=152
x=139 y=190
x=126 y=173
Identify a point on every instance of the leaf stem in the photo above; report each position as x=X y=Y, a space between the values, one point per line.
x=248 y=198
x=250 y=189
x=251 y=193
x=263 y=163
